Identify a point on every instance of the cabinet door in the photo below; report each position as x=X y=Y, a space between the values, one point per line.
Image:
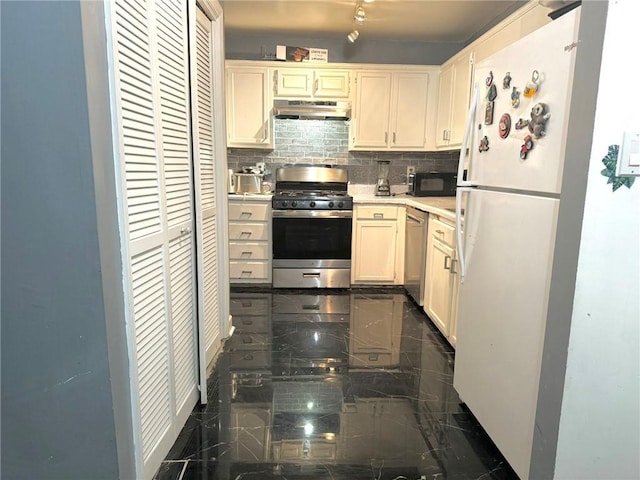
x=294 y=82
x=331 y=84
x=248 y=108
x=439 y=284
x=375 y=251
x=453 y=323
x=409 y=110
x=460 y=99
x=371 y=110
x=447 y=76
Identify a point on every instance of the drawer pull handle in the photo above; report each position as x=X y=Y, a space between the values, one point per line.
x=447 y=265
x=246 y=340
x=246 y=254
x=373 y=357
x=245 y=234
x=311 y=307
x=246 y=304
x=247 y=322
x=439 y=232
x=378 y=215
x=311 y=275
x=246 y=274
x=248 y=357
x=245 y=214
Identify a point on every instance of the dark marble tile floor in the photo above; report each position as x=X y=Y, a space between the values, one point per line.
x=332 y=384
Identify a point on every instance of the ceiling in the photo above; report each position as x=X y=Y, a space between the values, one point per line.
x=403 y=20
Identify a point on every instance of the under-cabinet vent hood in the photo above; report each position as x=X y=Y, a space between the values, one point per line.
x=312 y=110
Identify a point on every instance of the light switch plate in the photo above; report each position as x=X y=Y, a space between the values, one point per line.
x=629 y=155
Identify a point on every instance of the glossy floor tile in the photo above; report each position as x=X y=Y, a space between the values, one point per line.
x=332 y=384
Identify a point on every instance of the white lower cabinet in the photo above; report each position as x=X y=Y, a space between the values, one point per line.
x=250 y=240
x=441 y=291
x=378 y=245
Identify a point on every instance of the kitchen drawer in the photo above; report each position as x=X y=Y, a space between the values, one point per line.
x=249 y=270
x=376 y=212
x=442 y=231
x=250 y=360
x=253 y=212
x=249 y=305
x=251 y=323
x=250 y=341
x=248 y=251
x=248 y=231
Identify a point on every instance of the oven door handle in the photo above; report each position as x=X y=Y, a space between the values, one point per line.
x=313 y=213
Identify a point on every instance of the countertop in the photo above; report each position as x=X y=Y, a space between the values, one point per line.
x=363 y=194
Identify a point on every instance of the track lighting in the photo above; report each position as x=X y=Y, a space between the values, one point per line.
x=360 y=15
x=353 y=36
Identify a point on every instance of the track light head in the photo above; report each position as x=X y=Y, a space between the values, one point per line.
x=353 y=36
x=360 y=16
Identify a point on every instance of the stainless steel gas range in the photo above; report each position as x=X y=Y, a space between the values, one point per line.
x=312 y=215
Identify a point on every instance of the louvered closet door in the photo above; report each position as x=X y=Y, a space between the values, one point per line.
x=205 y=180
x=152 y=97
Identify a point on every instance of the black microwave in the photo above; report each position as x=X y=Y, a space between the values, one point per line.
x=432 y=184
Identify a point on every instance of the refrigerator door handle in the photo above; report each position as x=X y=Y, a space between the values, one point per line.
x=459 y=243
x=471 y=116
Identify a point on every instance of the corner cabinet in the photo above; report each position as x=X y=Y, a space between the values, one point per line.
x=250 y=240
x=310 y=83
x=249 y=120
x=453 y=100
x=441 y=286
x=390 y=110
x=378 y=245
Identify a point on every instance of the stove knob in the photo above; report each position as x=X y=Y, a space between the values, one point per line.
x=294 y=203
x=312 y=204
x=284 y=203
x=330 y=204
x=340 y=204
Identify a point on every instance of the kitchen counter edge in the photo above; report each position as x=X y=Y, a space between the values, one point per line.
x=441 y=206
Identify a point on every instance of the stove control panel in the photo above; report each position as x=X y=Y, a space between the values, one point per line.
x=315 y=204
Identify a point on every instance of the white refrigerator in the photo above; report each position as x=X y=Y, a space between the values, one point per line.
x=510 y=216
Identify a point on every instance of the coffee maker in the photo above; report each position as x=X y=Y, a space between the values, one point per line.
x=383 y=188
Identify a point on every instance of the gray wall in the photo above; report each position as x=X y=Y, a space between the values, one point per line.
x=57 y=410
x=248 y=46
x=325 y=142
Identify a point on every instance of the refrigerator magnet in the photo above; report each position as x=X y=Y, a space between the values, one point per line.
x=504 y=127
x=488 y=113
x=539 y=116
x=506 y=81
x=526 y=146
x=521 y=123
x=492 y=93
x=531 y=88
x=515 y=98
x=484 y=144
x=489 y=80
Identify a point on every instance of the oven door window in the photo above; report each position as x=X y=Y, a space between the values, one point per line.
x=312 y=238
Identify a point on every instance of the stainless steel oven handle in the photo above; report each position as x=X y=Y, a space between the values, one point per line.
x=312 y=213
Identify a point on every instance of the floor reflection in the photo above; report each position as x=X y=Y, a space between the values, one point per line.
x=335 y=384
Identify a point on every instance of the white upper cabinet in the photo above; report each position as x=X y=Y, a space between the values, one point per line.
x=453 y=100
x=248 y=107
x=311 y=83
x=390 y=110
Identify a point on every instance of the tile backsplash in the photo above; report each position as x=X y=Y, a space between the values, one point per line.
x=325 y=142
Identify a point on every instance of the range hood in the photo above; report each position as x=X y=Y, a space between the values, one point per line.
x=312 y=110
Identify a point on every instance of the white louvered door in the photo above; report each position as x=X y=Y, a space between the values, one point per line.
x=151 y=96
x=205 y=185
